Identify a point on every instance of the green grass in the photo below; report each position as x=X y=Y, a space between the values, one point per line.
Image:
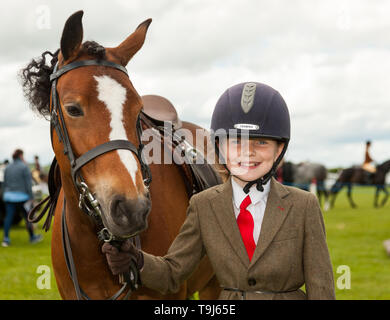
x=19 y=263
x=355 y=239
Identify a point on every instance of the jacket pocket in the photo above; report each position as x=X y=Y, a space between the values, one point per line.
x=286 y=234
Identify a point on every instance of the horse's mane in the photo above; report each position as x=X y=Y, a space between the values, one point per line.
x=35 y=77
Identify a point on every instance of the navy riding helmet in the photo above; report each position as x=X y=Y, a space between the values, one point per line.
x=252 y=109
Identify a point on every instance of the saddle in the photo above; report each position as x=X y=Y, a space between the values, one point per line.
x=200 y=175
x=160 y=109
x=156 y=111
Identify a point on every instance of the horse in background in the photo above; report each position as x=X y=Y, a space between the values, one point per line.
x=303 y=174
x=358 y=176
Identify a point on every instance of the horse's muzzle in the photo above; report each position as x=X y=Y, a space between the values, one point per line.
x=129 y=216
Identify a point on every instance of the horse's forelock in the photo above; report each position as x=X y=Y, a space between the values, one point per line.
x=35 y=81
x=94 y=49
x=35 y=77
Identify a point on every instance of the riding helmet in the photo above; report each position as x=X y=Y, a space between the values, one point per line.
x=252 y=109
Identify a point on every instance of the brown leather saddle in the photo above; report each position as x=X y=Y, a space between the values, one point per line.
x=160 y=109
x=156 y=113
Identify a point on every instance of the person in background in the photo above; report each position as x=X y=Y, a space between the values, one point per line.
x=17 y=191
x=368 y=163
x=36 y=171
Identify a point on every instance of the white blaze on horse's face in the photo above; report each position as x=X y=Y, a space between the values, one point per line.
x=113 y=95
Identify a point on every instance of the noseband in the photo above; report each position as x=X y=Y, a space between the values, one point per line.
x=87 y=202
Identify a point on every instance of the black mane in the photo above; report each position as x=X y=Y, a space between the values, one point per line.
x=35 y=77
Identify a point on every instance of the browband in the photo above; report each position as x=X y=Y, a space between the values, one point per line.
x=84 y=63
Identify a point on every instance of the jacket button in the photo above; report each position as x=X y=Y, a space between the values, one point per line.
x=251 y=282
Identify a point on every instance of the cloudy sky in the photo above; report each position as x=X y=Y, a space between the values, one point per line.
x=330 y=60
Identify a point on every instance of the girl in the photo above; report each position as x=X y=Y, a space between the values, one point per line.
x=264 y=240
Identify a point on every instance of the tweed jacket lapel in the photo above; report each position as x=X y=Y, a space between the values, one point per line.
x=222 y=205
x=276 y=211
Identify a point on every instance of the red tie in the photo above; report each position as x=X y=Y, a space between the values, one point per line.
x=246 y=224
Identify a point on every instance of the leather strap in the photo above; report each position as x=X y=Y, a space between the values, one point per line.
x=71 y=265
x=99 y=150
x=54 y=184
x=197 y=176
x=83 y=63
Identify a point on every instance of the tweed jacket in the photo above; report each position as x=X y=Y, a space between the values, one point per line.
x=291 y=249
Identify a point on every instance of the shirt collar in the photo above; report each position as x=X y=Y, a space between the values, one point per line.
x=255 y=195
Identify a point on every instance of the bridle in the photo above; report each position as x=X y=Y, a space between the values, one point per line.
x=87 y=201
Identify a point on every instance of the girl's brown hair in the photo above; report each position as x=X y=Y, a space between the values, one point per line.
x=219 y=167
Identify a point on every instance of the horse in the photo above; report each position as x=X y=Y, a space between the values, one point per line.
x=301 y=175
x=95 y=117
x=357 y=175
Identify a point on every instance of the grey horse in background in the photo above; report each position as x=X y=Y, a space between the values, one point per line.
x=303 y=174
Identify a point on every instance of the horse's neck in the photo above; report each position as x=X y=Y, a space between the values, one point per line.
x=385 y=167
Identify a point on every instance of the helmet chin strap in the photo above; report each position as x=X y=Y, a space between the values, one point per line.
x=260 y=182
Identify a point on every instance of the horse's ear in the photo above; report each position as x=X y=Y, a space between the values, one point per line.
x=72 y=36
x=130 y=46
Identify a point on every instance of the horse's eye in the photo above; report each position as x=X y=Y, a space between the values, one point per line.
x=74 y=110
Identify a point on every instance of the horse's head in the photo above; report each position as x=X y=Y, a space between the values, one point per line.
x=99 y=104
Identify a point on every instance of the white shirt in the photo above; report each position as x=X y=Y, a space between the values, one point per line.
x=257 y=206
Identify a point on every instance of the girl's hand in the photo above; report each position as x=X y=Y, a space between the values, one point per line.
x=119 y=261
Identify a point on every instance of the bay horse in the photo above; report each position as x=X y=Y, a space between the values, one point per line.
x=100 y=109
x=357 y=175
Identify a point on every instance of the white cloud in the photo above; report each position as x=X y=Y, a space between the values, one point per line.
x=329 y=60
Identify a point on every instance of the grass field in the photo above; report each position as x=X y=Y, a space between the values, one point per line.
x=355 y=238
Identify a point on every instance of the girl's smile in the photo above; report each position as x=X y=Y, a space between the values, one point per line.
x=250 y=159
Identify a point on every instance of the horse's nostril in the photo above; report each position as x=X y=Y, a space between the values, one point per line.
x=123 y=207
x=131 y=209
